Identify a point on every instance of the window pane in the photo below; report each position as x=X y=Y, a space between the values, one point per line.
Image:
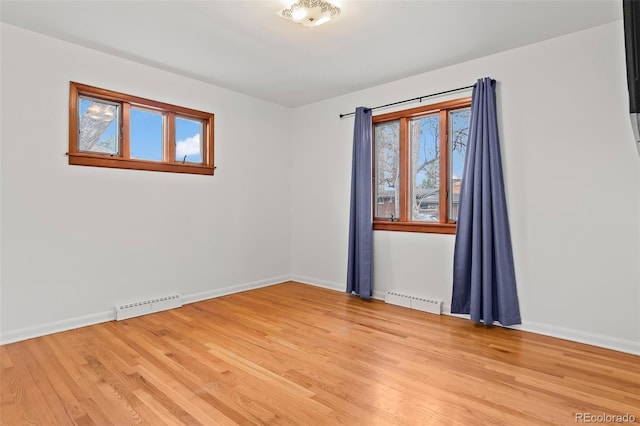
x=387 y=169
x=424 y=139
x=98 y=126
x=189 y=141
x=458 y=135
x=146 y=134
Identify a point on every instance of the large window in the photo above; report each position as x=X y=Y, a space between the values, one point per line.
x=418 y=160
x=111 y=129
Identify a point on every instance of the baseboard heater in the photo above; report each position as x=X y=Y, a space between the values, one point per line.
x=149 y=306
x=433 y=306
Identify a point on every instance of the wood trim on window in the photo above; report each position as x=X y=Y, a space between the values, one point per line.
x=404 y=169
x=433 y=228
x=443 y=206
x=404 y=224
x=422 y=110
x=124 y=130
x=169 y=153
x=122 y=160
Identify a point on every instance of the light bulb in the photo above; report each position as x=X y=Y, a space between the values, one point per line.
x=299 y=14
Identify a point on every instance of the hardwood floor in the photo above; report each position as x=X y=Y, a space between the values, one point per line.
x=293 y=354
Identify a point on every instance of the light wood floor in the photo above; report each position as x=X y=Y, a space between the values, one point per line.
x=293 y=354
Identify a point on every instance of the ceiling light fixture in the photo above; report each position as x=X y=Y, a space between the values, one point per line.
x=310 y=13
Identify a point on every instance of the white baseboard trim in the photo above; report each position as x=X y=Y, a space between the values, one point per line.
x=342 y=287
x=607 y=342
x=602 y=341
x=239 y=288
x=621 y=345
x=13 y=336
x=319 y=283
x=55 y=327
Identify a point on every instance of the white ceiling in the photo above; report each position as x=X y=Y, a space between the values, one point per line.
x=244 y=46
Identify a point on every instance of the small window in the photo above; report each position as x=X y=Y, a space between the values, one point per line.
x=189 y=146
x=99 y=126
x=418 y=160
x=111 y=129
x=146 y=134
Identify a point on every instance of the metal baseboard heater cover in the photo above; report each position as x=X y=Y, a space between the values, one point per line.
x=149 y=306
x=433 y=306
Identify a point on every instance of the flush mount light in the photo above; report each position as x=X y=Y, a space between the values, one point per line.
x=310 y=13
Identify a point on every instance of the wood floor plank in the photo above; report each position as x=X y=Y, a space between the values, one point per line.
x=26 y=389
x=71 y=367
x=293 y=354
x=55 y=388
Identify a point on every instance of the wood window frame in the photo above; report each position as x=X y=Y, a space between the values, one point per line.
x=404 y=223
x=122 y=160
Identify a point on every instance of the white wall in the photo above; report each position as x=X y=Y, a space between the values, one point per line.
x=573 y=189
x=77 y=240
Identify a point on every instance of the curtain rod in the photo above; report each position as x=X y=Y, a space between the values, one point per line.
x=420 y=98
